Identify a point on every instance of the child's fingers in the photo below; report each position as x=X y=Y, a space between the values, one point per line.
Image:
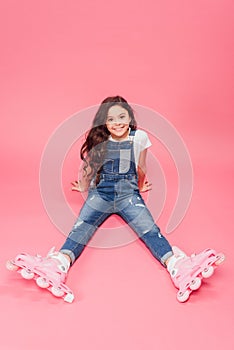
x=75 y=186
x=148 y=184
x=146 y=187
x=75 y=189
x=74 y=183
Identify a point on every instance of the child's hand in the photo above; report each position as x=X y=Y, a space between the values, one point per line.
x=146 y=186
x=76 y=186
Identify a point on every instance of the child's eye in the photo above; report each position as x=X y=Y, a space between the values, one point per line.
x=110 y=120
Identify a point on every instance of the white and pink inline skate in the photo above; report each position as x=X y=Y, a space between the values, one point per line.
x=49 y=272
x=187 y=271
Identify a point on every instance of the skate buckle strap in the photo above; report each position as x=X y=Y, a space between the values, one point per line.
x=64 y=263
x=171 y=264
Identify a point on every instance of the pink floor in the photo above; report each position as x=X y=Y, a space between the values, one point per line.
x=61 y=57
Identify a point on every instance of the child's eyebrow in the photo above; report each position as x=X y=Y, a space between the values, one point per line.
x=110 y=116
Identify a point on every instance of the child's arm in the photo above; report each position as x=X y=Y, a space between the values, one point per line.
x=143 y=184
x=82 y=185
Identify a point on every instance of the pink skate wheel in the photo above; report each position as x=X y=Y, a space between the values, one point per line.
x=182 y=297
x=208 y=271
x=11 y=266
x=27 y=274
x=57 y=292
x=195 y=284
x=42 y=283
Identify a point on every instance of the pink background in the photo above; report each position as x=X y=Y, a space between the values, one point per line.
x=59 y=57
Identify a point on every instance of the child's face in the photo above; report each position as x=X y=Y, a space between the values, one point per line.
x=117 y=122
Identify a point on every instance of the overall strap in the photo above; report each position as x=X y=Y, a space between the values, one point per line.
x=132 y=134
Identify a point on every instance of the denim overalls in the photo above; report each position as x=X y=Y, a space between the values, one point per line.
x=117 y=193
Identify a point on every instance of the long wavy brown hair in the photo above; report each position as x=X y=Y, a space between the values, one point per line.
x=93 y=150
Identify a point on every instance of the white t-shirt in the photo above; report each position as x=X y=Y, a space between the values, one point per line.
x=141 y=142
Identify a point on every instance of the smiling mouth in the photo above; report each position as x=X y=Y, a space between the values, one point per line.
x=118 y=129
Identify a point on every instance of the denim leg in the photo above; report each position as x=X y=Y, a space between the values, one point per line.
x=93 y=213
x=134 y=211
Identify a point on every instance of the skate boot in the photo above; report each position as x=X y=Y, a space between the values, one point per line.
x=49 y=272
x=187 y=271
